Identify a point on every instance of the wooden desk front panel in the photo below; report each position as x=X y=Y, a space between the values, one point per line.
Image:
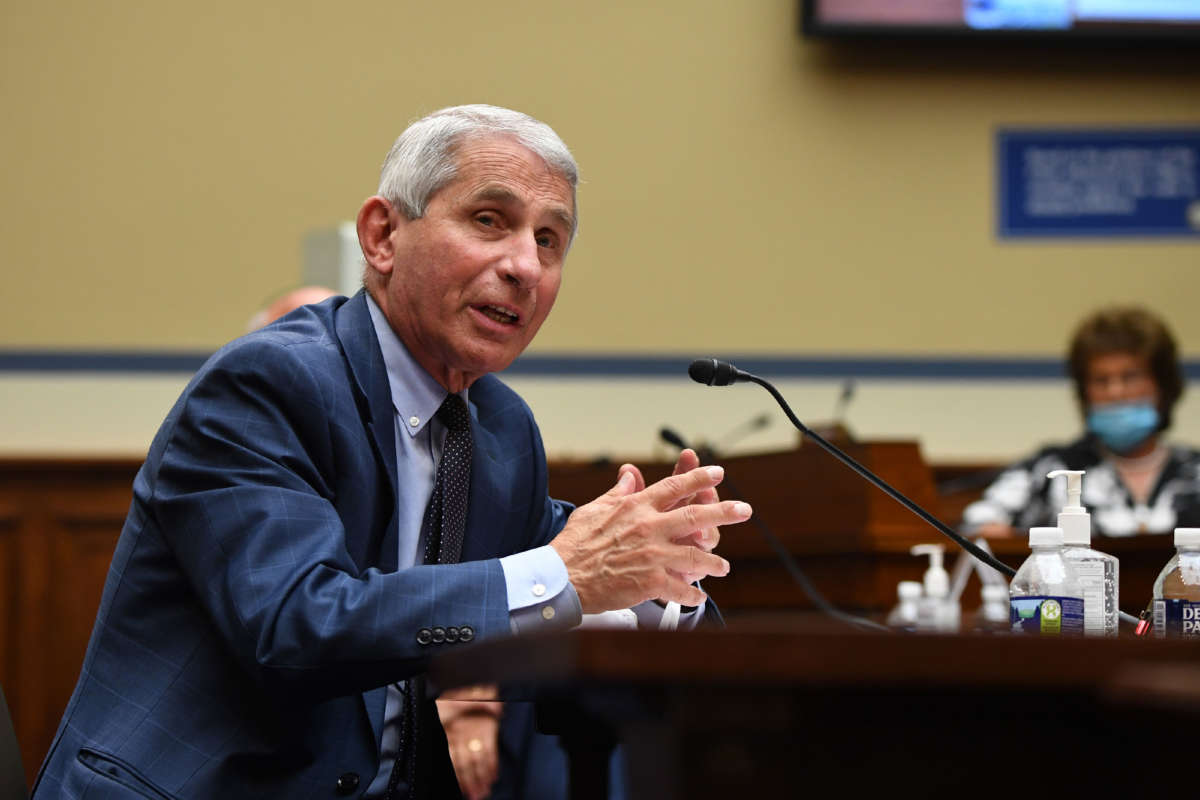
x=59 y=524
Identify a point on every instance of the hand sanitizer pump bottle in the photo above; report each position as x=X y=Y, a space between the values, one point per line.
x=1044 y=596
x=1177 y=590
x=1098 y=572
x=993 y=614
x=904 y=616
x=935 y=612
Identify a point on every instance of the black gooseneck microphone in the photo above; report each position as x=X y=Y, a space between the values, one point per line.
x=819 y=601
x=713 y=372
x=843 y=402
x=743 y=430
x=672 y=438
x=709 y=452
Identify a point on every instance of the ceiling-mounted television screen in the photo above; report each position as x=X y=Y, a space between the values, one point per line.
x=1110 y=20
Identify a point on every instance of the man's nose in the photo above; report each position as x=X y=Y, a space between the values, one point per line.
x=522 y=266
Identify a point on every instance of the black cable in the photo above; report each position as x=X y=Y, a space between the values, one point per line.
x=797 y=574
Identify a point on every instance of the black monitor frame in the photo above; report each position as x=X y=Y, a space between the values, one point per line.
x=1130 y=33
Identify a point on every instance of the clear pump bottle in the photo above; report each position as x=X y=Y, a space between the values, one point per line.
x=904 y=615
x=1177 y=589
x=1045 y=596
x=936 y=612
x=1098 y=572
x=993 y=613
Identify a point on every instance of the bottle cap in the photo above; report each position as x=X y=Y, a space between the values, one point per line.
x=1045 y=537
x=1187 y=537
x=909 y=590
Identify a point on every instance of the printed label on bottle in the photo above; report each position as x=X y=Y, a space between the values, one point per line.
x=1176 y=618
x=1047 y=615
x=1091 y=581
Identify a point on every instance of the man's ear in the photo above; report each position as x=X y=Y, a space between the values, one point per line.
x=375 y=234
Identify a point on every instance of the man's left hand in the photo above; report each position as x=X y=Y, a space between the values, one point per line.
x=705 y=539
x=472 y=730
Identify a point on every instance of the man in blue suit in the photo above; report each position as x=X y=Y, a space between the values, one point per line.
x=268 y=610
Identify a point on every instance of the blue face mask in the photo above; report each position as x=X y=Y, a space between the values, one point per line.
x=1122 y=426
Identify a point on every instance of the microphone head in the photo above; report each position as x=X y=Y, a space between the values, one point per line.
x=712 y=372
x=702 y=370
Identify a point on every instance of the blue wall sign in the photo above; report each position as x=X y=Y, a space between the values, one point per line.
x=1098 y=183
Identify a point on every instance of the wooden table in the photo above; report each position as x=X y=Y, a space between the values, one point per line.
x=820 y=711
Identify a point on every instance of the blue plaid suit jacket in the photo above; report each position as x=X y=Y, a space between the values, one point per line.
x=253 y=611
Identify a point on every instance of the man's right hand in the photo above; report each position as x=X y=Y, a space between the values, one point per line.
x=619 y=549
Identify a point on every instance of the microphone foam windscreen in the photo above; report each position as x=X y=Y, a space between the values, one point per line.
x=703 y=370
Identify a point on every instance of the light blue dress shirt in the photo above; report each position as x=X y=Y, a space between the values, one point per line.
x=540 y=596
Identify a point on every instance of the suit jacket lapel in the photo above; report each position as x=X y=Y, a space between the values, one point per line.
x=356 y=332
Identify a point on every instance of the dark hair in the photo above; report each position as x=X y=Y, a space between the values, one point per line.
x=1135 y=331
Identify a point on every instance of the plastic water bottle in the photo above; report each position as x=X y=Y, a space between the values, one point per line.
x=1177 y=590
x=904 y=615
x=1045 y=596
x=1098 y=572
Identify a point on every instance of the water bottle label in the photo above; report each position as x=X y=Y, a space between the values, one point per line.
x=1046 y=615
x=1176 y=618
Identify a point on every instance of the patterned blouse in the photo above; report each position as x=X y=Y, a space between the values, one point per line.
x=1023 y=497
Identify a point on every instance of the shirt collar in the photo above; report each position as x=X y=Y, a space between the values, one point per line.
x=415 y=394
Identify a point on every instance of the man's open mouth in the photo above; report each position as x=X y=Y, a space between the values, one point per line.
x=501 y=315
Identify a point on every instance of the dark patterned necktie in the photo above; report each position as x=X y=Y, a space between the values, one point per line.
x=446 y=517
x=445 y=525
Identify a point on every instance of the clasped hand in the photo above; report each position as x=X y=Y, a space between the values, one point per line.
x=636 y=542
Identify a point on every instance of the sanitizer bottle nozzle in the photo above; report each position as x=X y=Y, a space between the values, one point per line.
x=1074 y=520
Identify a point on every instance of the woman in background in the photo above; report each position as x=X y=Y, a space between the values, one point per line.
x=1127 y=377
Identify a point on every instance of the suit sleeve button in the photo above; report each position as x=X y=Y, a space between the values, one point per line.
x=347 y=783
x=439 y=635
x=466 y=633
x=424 y=636
x=452 y=634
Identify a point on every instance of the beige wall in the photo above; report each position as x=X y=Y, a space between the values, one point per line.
x=744 y=189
